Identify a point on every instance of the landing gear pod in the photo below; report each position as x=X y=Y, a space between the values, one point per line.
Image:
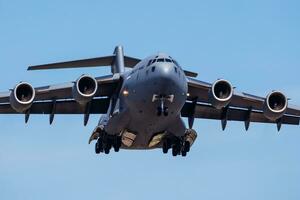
x=190 y=136
x=22 y=96
x=85 y=89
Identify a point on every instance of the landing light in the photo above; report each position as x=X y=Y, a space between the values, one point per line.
x=188 y=94
x=125 y=93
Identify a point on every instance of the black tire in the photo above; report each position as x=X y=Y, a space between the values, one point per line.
x=187 y=147
x=117 y=143
x=97 y=147
x=166 y=112
x=116 y=148
x=106 y=150
x=159 y=111
x=165 y=148
x=174 y=151
x=183 y=153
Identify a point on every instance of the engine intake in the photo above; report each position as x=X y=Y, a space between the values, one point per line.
x=22 y=96
x=220 y=94
x=275 y=105
x=85 y=89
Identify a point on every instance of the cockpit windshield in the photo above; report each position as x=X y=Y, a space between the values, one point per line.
x=168 y=60
x=152 y=61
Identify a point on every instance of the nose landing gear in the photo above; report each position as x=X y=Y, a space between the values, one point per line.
x=162 y=109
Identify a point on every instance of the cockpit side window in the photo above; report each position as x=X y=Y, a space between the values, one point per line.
x=176 y=63
x=153 y=61
x=153 y=69
x=149 y=63
x=168 y=60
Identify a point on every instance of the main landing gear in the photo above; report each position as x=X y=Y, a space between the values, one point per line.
x=106 y=142
x=180 y=145
x=162 y=109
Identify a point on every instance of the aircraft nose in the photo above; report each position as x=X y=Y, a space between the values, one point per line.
x=168 y=79
x=166 y=73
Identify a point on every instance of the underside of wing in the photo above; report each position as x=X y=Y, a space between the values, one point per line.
x=206 y=111
x=200 y=90
x=220 y=101
x=86 y=96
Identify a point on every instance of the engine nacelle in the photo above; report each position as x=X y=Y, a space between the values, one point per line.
x=220 y=94
x=275 y=105
x=22 y=96
x=84 y=89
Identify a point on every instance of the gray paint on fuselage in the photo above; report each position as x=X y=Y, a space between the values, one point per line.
x=137 y=113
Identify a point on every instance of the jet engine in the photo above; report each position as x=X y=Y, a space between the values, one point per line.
x=84 y=89
x=21 y=97
x=275 y=105
x=220 y=94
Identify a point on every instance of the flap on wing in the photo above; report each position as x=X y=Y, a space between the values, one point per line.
x=98 y=106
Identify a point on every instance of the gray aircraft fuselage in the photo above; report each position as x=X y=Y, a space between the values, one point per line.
x=145 y=88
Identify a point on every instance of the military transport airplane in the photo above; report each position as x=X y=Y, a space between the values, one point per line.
x=143 y=107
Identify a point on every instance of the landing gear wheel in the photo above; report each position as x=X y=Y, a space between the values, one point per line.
x=165 y=148
x=183 y=153
x=186 y=146
x=117 y=144
x=107 y=149
x=117 y=149
x=97 y=150
x=166 y=111
x=175 y=150
x=159 y=111
x=98 y=146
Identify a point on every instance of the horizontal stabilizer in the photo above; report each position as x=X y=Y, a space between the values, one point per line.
x=94 y=62
x=91 y=62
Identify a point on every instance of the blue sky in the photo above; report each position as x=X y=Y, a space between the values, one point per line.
x=254 y=44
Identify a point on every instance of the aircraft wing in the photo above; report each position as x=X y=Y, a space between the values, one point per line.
x=58 y=99
x=243 y=107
